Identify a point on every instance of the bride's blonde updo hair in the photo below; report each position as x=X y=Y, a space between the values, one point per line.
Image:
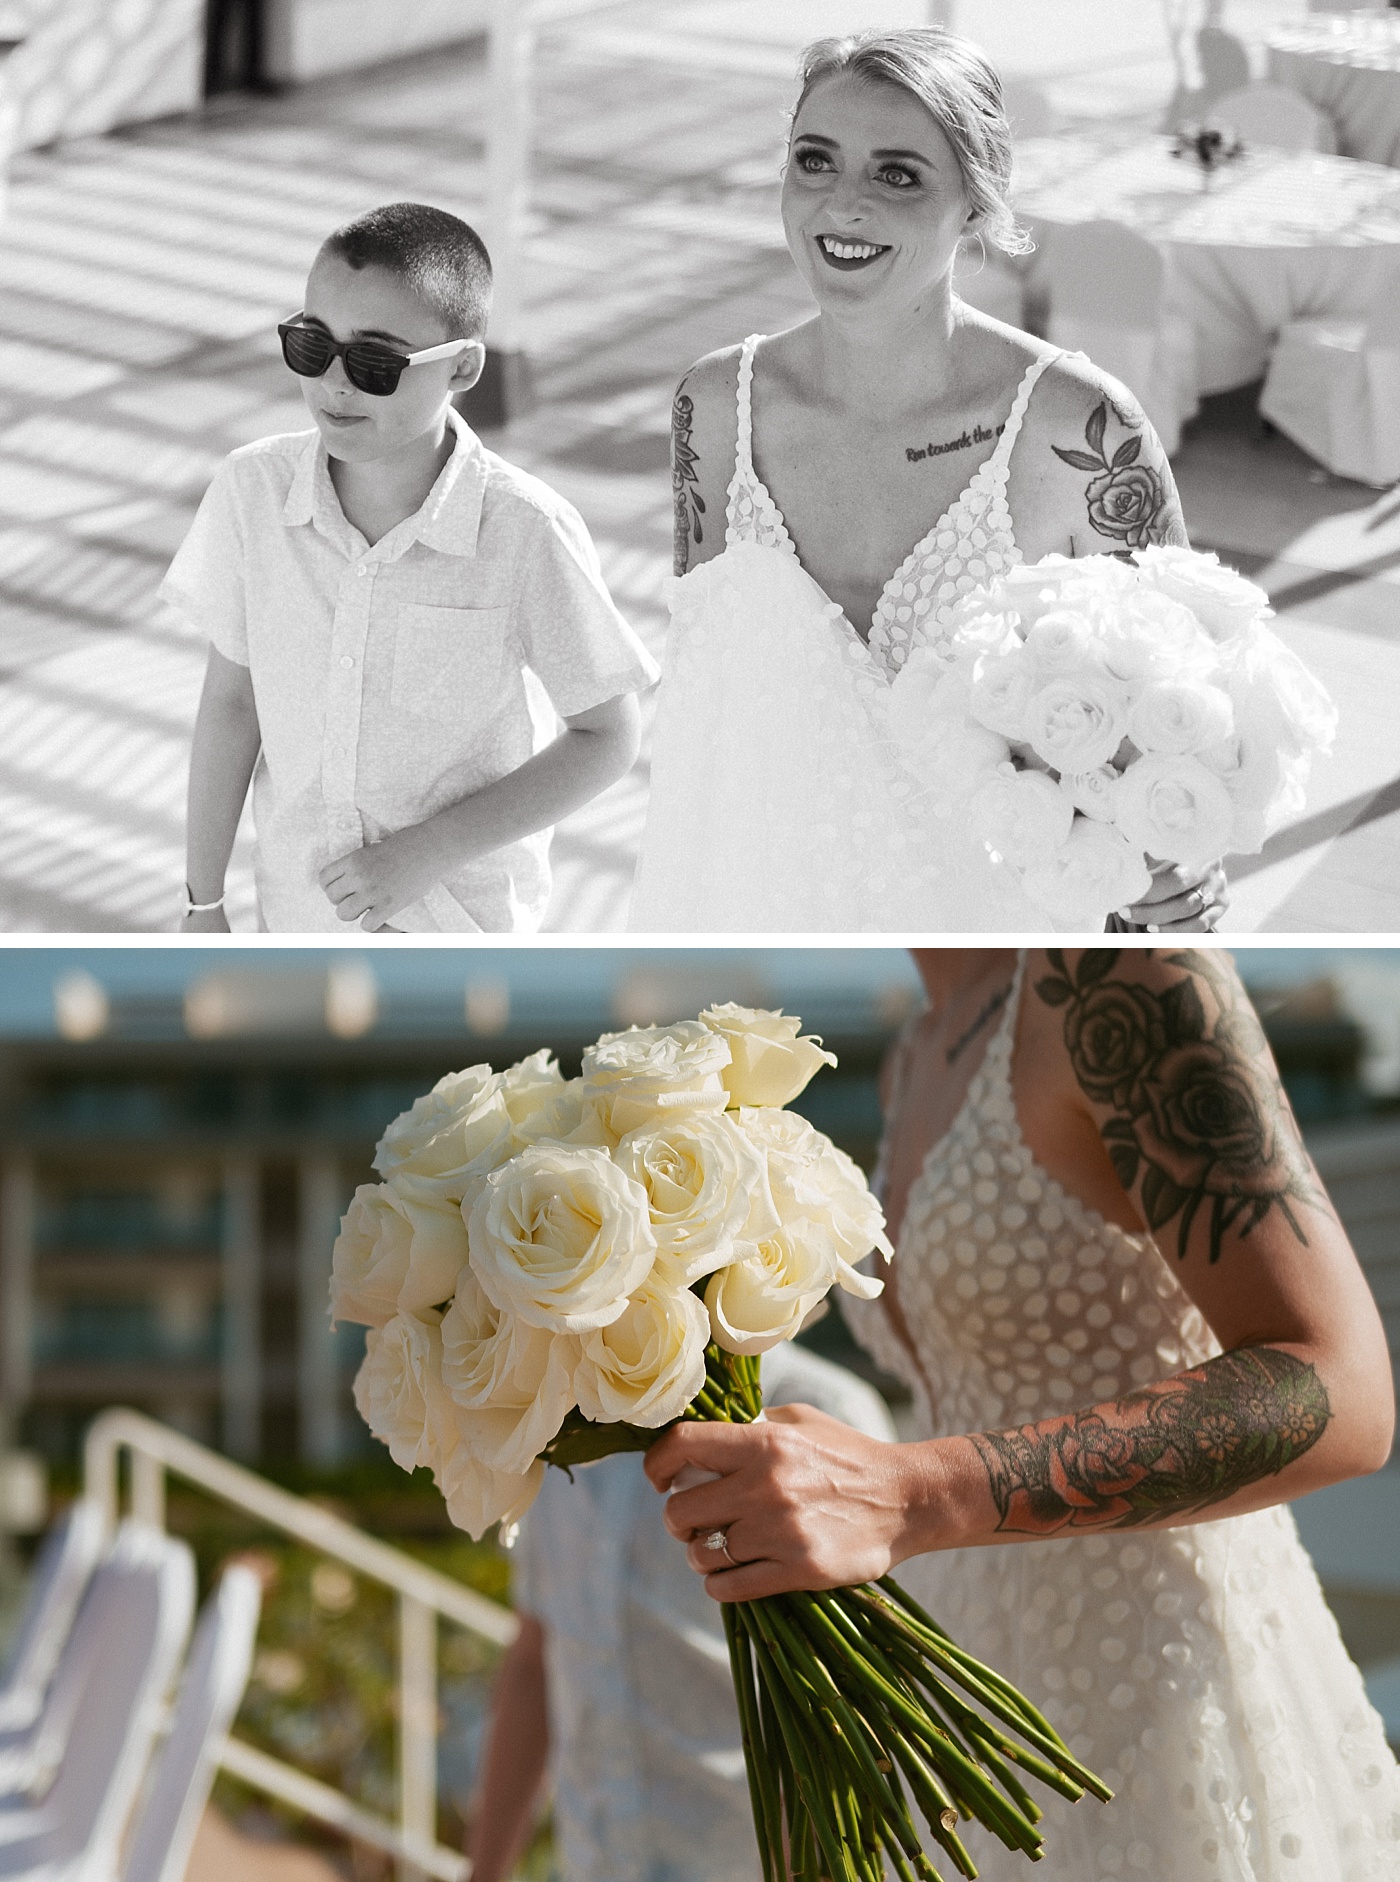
x=955 y=82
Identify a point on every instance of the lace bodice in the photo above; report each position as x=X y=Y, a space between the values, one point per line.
x=971 y=543
x=1198 y=1669
x=1020 y=1300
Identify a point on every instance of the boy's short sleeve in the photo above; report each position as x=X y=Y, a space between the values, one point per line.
x=570 y=632
x=205 y=580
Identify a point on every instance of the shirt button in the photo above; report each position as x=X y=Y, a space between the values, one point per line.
x=346 y=661
x=359 y=568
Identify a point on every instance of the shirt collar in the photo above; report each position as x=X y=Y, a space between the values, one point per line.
x=450 y=517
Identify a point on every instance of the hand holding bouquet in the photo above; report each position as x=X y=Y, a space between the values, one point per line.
x=1091 y=716
x=554 y=1270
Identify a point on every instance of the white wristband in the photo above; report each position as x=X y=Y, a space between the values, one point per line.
x=201 y=908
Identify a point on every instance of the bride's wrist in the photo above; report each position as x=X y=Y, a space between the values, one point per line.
x=943 y=1501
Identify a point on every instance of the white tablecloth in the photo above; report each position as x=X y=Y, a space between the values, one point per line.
x=1271 y=237
x=1353 y=77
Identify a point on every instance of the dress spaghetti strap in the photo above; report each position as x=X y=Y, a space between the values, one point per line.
x=999 y=463
x=743 y=442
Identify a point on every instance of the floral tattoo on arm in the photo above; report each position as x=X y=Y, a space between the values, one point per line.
x=687 y=503
x=1129 y=501
x=1198 y=1122
x=1165 y=1452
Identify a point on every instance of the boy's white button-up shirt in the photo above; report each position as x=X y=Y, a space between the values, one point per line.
x=394 y=680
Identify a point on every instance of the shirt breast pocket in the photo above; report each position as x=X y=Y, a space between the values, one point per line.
x=447 y=660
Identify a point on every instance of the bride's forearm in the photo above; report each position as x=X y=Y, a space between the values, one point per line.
x=1216 y=1440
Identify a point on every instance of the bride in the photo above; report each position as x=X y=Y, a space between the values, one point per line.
x=804 y=465
x=1133 y=1329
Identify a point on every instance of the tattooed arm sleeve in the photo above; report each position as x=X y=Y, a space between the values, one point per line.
x=1174 y=1064
x=688 y=504
x=1126 y=497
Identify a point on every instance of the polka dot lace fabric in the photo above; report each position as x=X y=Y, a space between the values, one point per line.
x=1198 y=1670
x=971 y=543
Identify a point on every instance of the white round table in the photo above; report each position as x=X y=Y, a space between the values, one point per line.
x=1271 y=237
x=1350 y=70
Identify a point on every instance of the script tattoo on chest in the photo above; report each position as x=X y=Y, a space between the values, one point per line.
x=915 y=454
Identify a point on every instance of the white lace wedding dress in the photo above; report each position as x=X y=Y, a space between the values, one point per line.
x=778 y=800
x=1197 y=1670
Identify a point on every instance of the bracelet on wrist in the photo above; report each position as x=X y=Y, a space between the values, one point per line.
x=202 y=908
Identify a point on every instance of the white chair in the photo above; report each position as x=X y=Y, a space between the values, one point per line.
x=61 y=1572
x=1108 y=299
x=210 y=1691
x=102 y=1714
x=1027 y=108
x=1224 y=63
x=1273 y=116
x=1333 y=386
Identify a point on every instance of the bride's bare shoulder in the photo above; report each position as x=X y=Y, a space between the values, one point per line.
x=1090 y=476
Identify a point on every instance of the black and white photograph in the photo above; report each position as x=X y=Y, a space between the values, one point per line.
x=547 y=467
x=699 y=940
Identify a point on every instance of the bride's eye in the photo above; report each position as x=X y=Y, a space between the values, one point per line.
x=811 y=162
x=898 y=175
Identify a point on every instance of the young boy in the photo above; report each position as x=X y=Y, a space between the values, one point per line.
x=378 y=594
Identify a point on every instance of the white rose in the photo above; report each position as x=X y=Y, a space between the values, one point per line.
x=561 y=1237
x=1221 y=599
x=1282 y=715
x=763 y=1299
x=450 y=1139
x=1020 y=814
x=771 y=1060
x=646 y=1366
x=973 y=630
x=1149 y=636
x=811 y=1180
x=1176 y=810
x=400 y=1394
x=1076 y=721
x=1092 y=792
x=1001 y=690
x=634 y=1076
x=394 y=1256
x=706 y=1187
x=1062 y=641
x=516 y=1379
x=478 y=1496
x=1082 y=882
x=1180 y=716
x=1035 y=589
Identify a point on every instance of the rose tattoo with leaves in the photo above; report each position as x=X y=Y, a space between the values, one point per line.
x=1128 y=500
x=687 y=502
x=1167 y=1450
x=1199 y=1122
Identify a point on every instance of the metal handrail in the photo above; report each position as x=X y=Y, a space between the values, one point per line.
x=423 y=1595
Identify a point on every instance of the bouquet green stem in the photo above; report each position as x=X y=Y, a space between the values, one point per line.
x=857 y=1709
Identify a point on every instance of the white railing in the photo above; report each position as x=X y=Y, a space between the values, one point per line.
x=423 y=1595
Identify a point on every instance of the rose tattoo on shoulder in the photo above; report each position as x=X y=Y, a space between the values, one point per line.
x=1128 y=500
x=1198 y=1122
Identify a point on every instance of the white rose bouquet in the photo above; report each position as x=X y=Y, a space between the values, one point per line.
x=1092 y=716
x=553 y=1270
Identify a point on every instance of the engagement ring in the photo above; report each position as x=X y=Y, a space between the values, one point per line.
x=718 y=1540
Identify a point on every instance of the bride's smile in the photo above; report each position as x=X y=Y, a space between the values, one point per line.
x=872 y=188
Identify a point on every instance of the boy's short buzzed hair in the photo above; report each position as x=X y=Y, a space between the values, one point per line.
x=439 y=256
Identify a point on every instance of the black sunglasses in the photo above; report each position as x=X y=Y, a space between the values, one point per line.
x=369 y=368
